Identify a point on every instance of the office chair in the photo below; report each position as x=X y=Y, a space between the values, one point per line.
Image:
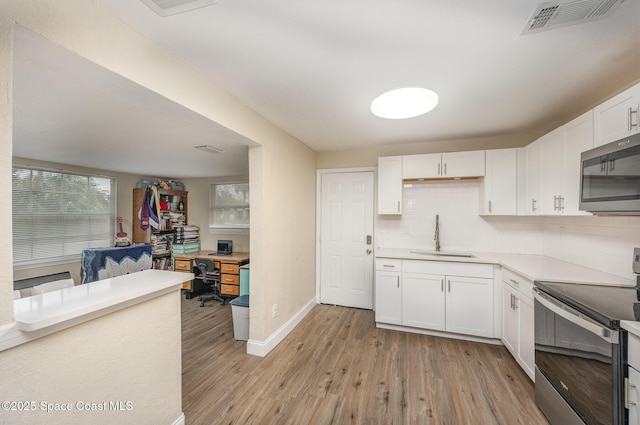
x=206 y=271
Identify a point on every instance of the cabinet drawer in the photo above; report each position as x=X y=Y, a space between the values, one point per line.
x=182 y=265
x=229 y=268
x=229 y=289
x=518 y=282
x=449 y=268
x=186 y=285
x=388 y=264
x=230 y=278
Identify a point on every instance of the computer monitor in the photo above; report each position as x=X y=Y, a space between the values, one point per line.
x=225 y=247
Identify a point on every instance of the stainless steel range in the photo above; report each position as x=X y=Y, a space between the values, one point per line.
x=580 y=350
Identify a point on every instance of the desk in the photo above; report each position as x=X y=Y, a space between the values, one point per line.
x=229 y=271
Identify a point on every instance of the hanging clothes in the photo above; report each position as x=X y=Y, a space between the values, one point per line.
x=150 y=209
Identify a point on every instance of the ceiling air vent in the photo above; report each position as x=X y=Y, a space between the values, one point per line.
x=173 y=7
x=558 y=14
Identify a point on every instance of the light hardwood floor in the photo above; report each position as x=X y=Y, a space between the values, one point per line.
x=336 y=367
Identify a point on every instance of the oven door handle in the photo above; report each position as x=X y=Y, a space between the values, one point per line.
x=575 y=317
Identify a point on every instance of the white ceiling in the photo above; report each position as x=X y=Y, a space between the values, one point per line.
x=312 y=68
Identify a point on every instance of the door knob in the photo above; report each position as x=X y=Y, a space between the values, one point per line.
x=369 y=252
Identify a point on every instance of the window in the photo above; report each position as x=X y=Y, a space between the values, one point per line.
x=58 y=214
x=229 y=208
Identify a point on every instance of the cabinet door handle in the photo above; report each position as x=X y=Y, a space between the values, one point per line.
x=489 y=206
x=514 y=281
x=511 y=300
x=561 y=198
x=398 y=281
x=612 y=164
x=441 y=285
x=631 y=112
x=627 y=386
x=398 y=206
x=449 y=285
x=439 y=169
x=445 y=168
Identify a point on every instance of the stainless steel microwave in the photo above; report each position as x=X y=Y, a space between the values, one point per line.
x=610 y=178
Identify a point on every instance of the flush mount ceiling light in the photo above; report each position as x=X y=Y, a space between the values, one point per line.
x=210 y=149
x=407 y=102
x=173 y=7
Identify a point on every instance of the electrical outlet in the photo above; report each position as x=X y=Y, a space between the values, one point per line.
x=275 y=311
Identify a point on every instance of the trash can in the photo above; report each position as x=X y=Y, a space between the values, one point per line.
x=240 y=312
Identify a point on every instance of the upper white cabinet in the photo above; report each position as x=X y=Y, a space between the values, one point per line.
x=559 y=167
x=550 y=153
x=531 y=176
x=443 y=165
x=390 y=185
x=498 y=191
x=578 y=137
x=421 y=166
x=617 y=117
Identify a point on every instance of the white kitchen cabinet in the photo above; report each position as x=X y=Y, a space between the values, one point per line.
x=447 y=296
x=551 y=151
x=444 y=165
x=423 y=301
x=532 y=169
x=633 y=396
x=559 y=166
x=578 y=137
x=388 y=294
x=423 y=166
x=632 y=382
x=469 y=306
x=617 y=117
x=498 y=190
x=517 y=320
x=390 y=185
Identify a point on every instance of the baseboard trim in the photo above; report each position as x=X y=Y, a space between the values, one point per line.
x=180 y=420
x=492 y=341
x=262 y=348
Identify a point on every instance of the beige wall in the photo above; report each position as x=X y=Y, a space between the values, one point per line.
x=130 y=355
x=84 y=28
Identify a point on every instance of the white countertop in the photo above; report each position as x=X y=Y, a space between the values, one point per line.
x=50 y=312
x=632 y=327
x=532 y=267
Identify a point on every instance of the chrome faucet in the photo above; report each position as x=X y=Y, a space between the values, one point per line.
x=436 y=237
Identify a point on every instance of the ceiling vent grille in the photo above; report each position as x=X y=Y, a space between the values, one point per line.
x=173 y=7
x=558 y=14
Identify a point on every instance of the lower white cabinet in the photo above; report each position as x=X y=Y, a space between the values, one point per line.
x=632 y=396
x=437 y=296
x=632 y=382
x=517 y=320
x=388 y=294
x=423 y=301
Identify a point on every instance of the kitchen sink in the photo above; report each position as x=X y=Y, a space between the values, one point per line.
x=443 y=254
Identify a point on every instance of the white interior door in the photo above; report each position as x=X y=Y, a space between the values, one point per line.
x=346 y=239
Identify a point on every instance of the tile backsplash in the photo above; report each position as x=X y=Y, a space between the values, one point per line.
x=603 y=243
